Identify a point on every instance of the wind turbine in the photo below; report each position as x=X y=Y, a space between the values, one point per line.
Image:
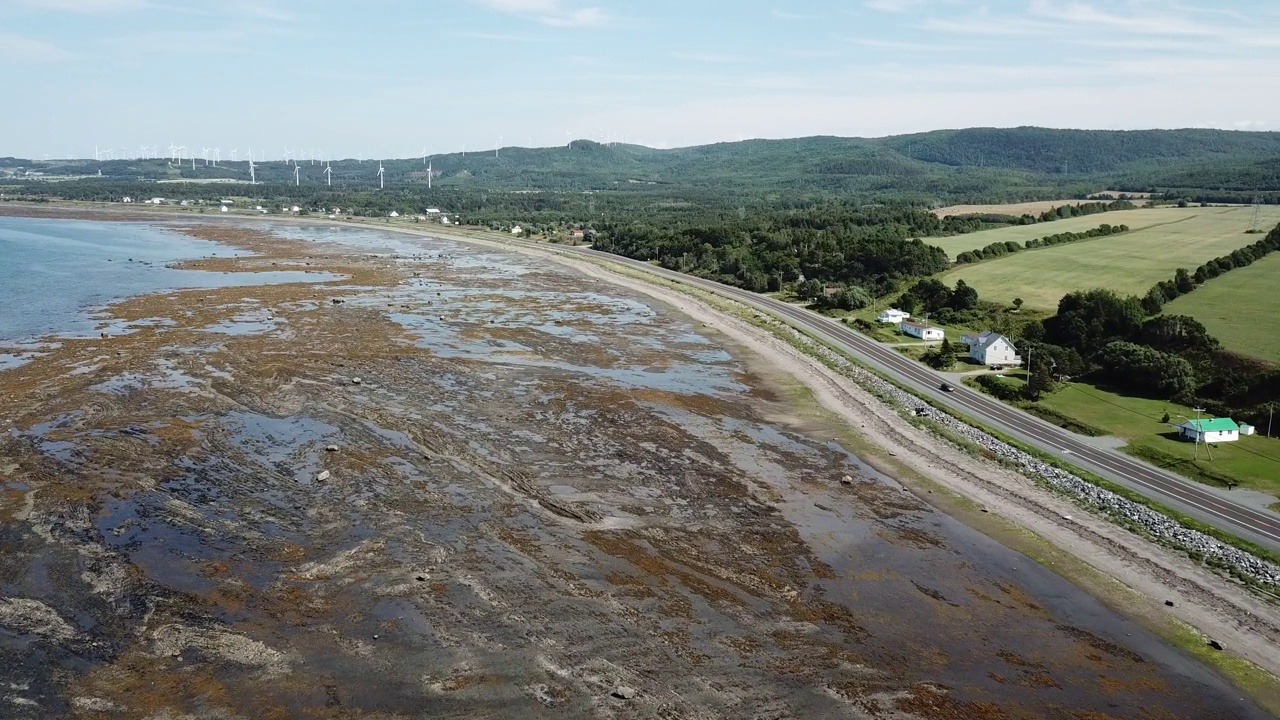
x=495 y=150
x=252 y=179
x=328 y=175
x=296 y=178
x=428 y=176
x=217 y=156
x=96 y=155
x=424 y=155
x=173 y=152
x=286 y=155
x=381 y=184
x=233 y=154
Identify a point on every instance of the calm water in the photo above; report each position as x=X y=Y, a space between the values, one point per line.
x=55 y=275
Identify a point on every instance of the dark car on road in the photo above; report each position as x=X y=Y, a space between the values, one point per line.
x=945 y=387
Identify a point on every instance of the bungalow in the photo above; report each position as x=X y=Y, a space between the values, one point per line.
x=991 y=348
x=924 y=331
x=1210 y=430
x=578 y=232
x=393 y=213
x=517 y=230
x=893 y=316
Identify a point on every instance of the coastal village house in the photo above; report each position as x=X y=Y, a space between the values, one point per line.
x=892 y=315
x=990 y=348
x=1210 y=430
x=921 y=330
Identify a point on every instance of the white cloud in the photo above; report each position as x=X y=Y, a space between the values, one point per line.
x=87 y=6
x=15 y=48
x=714 y=58
x=552 y=13
x=785 y=15
x=894 y=6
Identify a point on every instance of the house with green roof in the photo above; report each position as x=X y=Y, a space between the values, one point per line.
x=1210 y=430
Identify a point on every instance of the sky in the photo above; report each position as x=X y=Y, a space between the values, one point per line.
x=397 y=78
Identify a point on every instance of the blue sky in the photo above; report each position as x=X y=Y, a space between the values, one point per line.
x=384 y=78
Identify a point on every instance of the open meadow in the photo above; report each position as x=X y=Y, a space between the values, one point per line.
x=1160 y=241
x=1135 y=219
x=1239 y=308
x=1034 y=207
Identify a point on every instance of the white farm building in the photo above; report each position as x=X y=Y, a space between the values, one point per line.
x=924 y=331
x=990 y=348
x=1210 y=430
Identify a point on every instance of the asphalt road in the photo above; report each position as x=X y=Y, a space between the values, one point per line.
x=1198 y=501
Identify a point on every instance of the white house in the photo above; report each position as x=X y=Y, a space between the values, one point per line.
x=224 y=208
x=1210 y=430
x=127 y=199
x=157 y=201
x=517 y=230
x=990 y=348
x=892 y=315
x=921 y=330
x=393 y=213
x=433 y=211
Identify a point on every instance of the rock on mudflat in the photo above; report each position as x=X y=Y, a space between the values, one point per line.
x=323 y=475
x=846 y=480
x=623 y=692
x=331 y=448
x=356 y=381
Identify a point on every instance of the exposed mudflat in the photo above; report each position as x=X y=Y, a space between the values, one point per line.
x=544 y=492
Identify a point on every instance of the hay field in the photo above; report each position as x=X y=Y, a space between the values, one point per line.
x=1135 y=219
x=1129 y=263
x=1035 y=208
x=1239 y=308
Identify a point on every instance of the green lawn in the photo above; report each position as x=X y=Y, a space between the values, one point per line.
x=1252 y=462
x=1129 y=263
x=1239 y=308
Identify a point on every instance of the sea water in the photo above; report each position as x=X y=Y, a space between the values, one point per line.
x=56 y=276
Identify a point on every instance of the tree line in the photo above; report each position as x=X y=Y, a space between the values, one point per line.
x=1000 y=249
x=1184 y=282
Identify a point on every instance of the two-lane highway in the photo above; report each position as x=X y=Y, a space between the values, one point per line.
x=1203 y=503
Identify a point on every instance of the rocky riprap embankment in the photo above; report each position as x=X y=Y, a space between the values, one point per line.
x=1161 y=527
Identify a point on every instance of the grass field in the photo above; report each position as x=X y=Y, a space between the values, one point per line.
x=1253 y=462
x=1239 y=308
x=1135 y=219
x=1169 y=238
x=1034 y=208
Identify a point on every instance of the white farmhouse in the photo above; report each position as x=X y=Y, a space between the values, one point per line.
x=924 y=331
x=990 y=348
x=517 y=230
x=1210 y=430
x=892 y=316
x=393 y=213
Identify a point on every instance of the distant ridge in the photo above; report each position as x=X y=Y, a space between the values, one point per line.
x=974 y=164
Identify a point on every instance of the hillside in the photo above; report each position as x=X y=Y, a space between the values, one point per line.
x=941 y=167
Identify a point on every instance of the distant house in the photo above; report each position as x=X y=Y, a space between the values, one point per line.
x=991 y=348
x=433 y=211
x=127 y=199
x=924 y=331
x=579 y=232
x=893 y=316
x=156 y=201
x=224 y=208
x=1212 y=430
x=517 y=230
x=393 y=213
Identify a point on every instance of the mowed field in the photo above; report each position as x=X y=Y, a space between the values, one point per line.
x=1129 y=263
x=1239 y=308
x=1035 y=208
x=1135 y=219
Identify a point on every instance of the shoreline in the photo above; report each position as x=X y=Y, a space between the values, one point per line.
x=1131 y=575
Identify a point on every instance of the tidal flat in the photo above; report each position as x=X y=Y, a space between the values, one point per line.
x=448 y=481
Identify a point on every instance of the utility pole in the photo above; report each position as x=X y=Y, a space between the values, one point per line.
x=1270 y=416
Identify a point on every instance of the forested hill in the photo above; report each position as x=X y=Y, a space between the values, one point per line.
x=977 y=164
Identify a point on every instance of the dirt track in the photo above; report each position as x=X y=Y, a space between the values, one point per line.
x=544 y=489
